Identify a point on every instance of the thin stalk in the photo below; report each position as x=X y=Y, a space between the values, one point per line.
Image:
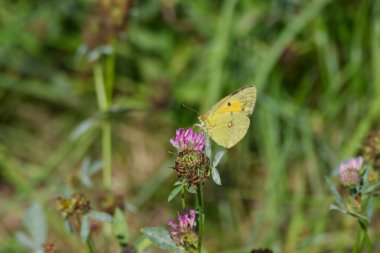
x=106 y=150
x=90 y=245
x=366 y=239
x=357 y=241
x=183 y=197
x=200 y=217
x=110 y=71
x=101 y=93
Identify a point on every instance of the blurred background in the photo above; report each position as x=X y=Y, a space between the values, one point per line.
x=316 y=65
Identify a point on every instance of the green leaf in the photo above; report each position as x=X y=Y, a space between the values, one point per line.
x=217 y=158
x=68 y=227
x=141 y=243
x=356 y=215
x=159 y=236
x=208 y=147
x=100 y=216
x=130 y=207
x=191 y=189
x=35 y=222
x=339 y=200
x=84 y=228
x=215 y=176
x=371 y=188
x=88 y=169
x=333 y=207
x=82 y=128
x=174 y=192
x=120 y=227
x=179 y=182
x=25 y=240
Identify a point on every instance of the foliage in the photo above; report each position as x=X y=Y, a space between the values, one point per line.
x=315 y=64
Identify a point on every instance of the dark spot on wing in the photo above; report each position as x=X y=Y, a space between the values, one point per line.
x=229 y=103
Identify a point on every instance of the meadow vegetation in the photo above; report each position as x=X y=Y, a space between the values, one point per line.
x=91 y=92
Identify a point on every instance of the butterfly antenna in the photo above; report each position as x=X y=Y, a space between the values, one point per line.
x=190 y=109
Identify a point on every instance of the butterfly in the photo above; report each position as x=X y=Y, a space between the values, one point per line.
x=227 y=122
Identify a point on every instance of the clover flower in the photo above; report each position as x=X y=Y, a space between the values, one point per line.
x=184 y=233
x=188 y=139
x=349 y=172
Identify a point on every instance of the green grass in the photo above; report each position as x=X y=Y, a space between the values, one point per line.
x=315 y=64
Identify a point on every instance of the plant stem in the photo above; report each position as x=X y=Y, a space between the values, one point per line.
x=183 y=197
x=200 y=217
x=90 y=245
x=366 y=240
x=357 y=241
x=106 y=150
x=101 y=93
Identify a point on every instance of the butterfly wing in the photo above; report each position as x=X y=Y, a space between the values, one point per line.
x=228 y=121
x=229 y=129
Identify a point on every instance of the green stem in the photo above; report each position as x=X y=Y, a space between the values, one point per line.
x=366 y=240
x=106 y=150
x=90 y=245
x=183 y=197
x=103 y=102
x=100 y=88
x=200 y=217
x=357 y=241
x=110 y=72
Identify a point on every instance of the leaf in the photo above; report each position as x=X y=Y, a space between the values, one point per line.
x=356 y=215
x=84 y=228
x=130 y=207
x=141 y=243
x=371 y=188
x=120 y=227
x=35 y=222
x=191 y=189
x=82 y=128
x=100 y=216
x=68 y=226
x=179 y=182
x=23 y=239
x=339 y=200
x=333 y=207
x=88 y=169
x=174 y=192
x=215 y=176
x=159 y=236
x=84 y=175
x=217 y=158
x=208 y=147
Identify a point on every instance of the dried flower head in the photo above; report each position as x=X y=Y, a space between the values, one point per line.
x=349 y=172
x=371 y=149
x=128 y=249
x=192 y=166
x=109 y=201
x=184 y=233
x=77 y=204
x=107 y=23
x=188 y=140
x=49 y=248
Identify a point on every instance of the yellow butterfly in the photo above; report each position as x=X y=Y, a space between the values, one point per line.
x=227 y=122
